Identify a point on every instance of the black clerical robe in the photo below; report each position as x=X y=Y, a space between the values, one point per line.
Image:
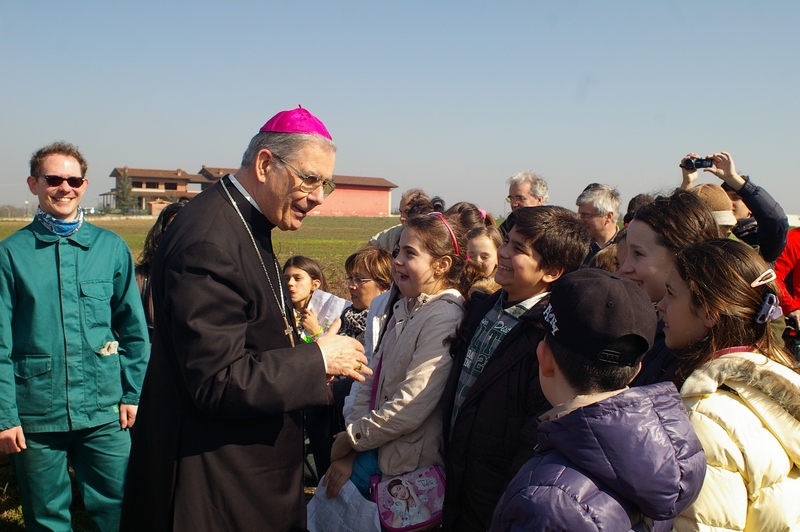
x=218 y=441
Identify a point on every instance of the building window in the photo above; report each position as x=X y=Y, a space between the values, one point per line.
x=170 y=186
x=151 y=184
x=136 y=184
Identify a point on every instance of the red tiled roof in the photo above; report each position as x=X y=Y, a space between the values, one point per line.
x=357 y=181
x=214 y=173
x=153 y=192
x=148 y=173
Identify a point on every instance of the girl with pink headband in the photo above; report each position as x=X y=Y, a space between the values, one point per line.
x=395 y=425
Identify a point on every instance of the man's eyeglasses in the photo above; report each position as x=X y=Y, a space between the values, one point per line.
x=358 y=281
x=310 y=183
x=55 y=181
x=587 y=216
x=520 y=199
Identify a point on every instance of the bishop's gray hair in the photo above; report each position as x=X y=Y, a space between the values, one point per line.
x=281 y=144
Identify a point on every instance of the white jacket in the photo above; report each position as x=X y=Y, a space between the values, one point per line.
x=745 y=409
x=406 y=425
x=377 y=315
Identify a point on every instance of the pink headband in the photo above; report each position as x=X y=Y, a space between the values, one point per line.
x=449 y=229
x=296 y=121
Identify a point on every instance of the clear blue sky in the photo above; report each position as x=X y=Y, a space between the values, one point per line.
x=453 y=97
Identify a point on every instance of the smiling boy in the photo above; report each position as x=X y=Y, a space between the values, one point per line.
x=493 y=394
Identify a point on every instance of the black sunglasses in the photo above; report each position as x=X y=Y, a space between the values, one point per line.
x=55 y=181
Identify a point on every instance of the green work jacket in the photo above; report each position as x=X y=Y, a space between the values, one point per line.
x=63 y=302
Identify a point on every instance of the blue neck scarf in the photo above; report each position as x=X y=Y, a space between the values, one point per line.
x=60 y=227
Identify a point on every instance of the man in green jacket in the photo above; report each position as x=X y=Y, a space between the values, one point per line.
x=73 y=351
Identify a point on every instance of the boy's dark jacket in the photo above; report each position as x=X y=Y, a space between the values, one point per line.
x=495 y=431
x=616 y=464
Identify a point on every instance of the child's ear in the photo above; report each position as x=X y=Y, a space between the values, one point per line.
x=442 y=266
x=552 y=274
x=638 y=370
x=710 y=317
x=546 y=361
x=315 y=284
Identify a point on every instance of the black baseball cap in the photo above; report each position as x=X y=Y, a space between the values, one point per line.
x=591 y=309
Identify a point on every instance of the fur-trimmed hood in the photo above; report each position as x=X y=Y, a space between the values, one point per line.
x=770 y=390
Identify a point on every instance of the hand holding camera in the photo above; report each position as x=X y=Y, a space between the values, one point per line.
x=689 y=170
x=693 y=162
x=720 y=164
x=725 y=169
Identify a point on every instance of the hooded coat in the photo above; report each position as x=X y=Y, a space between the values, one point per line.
x=745 y=409
x=617 y=464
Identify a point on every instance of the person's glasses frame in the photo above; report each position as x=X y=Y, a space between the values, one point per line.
x=55 y=180
x=589 y=216
x=359 y=281
x=512 y=199
x=310 y=183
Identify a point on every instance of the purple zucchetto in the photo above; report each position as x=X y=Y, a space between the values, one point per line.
x=296 y=121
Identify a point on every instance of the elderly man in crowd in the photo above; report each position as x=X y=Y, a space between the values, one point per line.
x=525 y=189
x=73 y=351
x=220 y=445
x=598 y=208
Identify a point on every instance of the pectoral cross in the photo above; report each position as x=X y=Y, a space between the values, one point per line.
x=288 y=331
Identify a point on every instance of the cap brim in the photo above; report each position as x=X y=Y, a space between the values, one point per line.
x=724 y=218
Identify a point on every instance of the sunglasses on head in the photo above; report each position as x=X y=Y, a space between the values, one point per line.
x=55 y=181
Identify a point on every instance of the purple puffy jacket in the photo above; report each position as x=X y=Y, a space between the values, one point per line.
x=631 y=461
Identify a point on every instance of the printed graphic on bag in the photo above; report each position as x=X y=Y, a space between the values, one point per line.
x=412 y=501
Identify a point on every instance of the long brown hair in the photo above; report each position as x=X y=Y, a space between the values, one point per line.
x=311 y=267
x=679 y=220
x=436 y=238
x=719 y=274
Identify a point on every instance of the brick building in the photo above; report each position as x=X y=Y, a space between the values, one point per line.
x=354 y=196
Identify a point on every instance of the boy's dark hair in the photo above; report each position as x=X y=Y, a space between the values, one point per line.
x=634 y=204
x=555 y=233
x=587 y=376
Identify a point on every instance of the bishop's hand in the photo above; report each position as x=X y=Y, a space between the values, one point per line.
x=343 y=355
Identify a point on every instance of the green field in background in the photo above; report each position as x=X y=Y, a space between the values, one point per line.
x=327 y=240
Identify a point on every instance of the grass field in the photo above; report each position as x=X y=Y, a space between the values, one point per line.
x=327 y=240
